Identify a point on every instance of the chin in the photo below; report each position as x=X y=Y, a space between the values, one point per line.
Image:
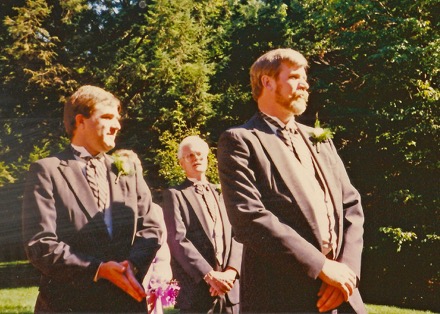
x=298 y=108
x=108 y=147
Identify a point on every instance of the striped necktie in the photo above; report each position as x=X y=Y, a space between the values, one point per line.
x=96 y=173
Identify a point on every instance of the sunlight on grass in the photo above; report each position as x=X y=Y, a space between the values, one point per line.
x=18 y=300
x=22 y=301
x=14 y=263
x=382 y=309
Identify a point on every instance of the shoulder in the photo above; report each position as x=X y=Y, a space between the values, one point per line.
x=305 y=127
x=244 y=131
x=51 y=162
x=174 y=190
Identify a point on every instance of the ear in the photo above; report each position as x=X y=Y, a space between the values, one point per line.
x=79 y=119
x=268 y=82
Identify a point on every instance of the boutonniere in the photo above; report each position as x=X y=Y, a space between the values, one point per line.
x=124 y=161
x=319 y=134
x=218 y=188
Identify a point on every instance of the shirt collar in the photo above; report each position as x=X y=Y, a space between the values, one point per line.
x=83 y=153
x=195 y=181
x=291 y=124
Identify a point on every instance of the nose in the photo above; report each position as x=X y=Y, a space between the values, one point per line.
x=303 y=85
x=116 y=125
x=198 y=157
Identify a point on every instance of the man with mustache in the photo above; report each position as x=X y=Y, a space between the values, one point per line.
x=291 y=204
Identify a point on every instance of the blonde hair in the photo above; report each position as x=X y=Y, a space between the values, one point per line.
x=84 y=101
x=270 y=64
x=192 y=140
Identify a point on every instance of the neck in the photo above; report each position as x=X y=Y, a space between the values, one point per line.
x=85 y=146
x=198 y=177
x=283 y=116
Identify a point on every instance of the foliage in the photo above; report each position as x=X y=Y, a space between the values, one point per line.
x=398 y=236
x=170 y=168
x=182 y=67
x=5 y=174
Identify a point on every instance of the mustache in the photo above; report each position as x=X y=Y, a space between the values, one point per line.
x=301 y=94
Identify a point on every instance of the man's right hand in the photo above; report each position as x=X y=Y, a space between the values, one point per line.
x=339 y=275
x=330 y=298
x=121 y=275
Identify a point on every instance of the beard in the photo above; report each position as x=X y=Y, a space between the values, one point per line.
x=296 y=104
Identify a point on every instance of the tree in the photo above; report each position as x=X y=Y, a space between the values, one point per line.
x=377 y=73
x=182 y=67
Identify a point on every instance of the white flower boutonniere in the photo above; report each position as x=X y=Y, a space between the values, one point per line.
x=319 y=135
x=124 y=161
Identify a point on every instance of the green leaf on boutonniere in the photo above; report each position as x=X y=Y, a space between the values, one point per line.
x=319 y=134
x=218 y=188
x=124 y=161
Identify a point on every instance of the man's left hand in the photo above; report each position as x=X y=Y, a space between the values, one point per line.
x=121 y=275
x=230 y=275
x=136 y=287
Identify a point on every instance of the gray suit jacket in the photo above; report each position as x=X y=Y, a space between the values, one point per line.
x=272 y=214
x=192 y=249
x=66 y=237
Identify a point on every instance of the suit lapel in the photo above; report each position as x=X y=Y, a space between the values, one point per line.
x=324 y=172
x=290 y=170
x=323 y=167
x=116 y=186
x=73 y=173
x=189 y=193
x=121 y=214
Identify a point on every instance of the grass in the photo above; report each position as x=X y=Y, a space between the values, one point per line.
x=18 y=292
x=18 y=300
x=22 y=300
x=382 y=309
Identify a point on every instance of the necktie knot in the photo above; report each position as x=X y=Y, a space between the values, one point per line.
x=94 y=162
x=88 y=158
x=201 y=188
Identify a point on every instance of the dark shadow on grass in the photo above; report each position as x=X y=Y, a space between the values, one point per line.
x=18 y=274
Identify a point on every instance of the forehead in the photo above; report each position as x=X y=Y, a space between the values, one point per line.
x=107 y=107
x=290 y=68
x=194 y=147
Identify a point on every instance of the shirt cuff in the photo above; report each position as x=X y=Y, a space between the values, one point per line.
x=95 y=279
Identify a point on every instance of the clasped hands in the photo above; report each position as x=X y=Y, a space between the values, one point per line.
x=220 y=282
x=121 y=275
x=339 y=282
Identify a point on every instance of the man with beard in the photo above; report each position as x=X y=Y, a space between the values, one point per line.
x=291 y=204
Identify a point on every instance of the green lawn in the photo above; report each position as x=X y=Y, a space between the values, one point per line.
x=18 y=300
x=381 y=309
x=22 y=300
